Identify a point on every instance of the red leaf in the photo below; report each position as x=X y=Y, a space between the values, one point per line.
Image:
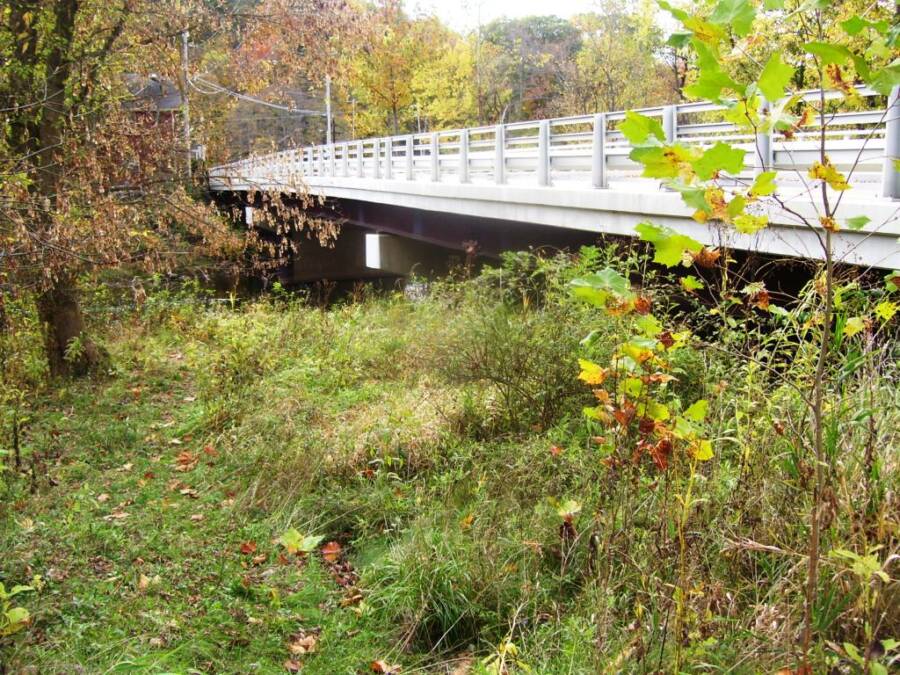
x=555 y=450
x=248 y=547
x=382 y=667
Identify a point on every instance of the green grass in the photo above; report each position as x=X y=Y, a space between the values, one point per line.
x=419 y=435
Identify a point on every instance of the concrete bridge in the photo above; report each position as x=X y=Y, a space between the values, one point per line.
x=566 y=180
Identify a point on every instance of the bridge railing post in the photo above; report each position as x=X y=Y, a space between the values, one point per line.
x=765 y=157
x=389 y=158
x=500 y=154
x=435 y=155
x=670 y=123
x=331 y=160
x=598 y=152
x=464 y=156
x=376 y=159
x=360 y=160
x=543 y=161
x=345 y=159
x=321 y=151
x=410 y=157
x=890 y=177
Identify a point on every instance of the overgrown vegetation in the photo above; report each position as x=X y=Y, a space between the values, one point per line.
x=157 y=511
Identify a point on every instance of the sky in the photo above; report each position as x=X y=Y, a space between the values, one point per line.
x=465 y=14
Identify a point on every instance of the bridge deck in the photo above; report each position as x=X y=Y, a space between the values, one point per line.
x=575 y=173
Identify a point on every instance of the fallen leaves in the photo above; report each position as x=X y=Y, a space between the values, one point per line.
x=248 y=547
x=331 y=551
x=380 y=666
x=303 y=642
x=186 y=461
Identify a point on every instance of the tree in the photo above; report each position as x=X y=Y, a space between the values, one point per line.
x=531 y=55
x=86 y=183
x=380 y=74
x=832 y=53
x=617 y=65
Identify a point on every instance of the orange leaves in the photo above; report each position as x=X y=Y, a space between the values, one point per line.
x=642 y=304
x=625 y=414
x=706 y=257
x=186 y=461
x=380 y=666
x=555 y=450
x=331 y=551
x=248 y=547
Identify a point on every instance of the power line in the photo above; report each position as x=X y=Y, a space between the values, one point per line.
x=219 y=89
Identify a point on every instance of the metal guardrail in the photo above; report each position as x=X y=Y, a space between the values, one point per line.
x=584 y=149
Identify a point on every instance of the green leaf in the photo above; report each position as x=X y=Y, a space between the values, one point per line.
x=736 y=206
x=720 y=157
x=649 y=325
x=679 y=39
x=828 y=53
x=669 y=246
x=853 y=326
x=853 y=653
x=739 y=14
x=639 y=128
x=889 y=645
x=773 y=4
x=690 y=283
x=295 y=542
x=692 y=195
x=885 y=79
x=679 y=14
x=892 y=281
x=597 y=288
x=663 y=161
x=775 y=77
x=697 y=412
x=656 y=411
x=763 y=184
x=857 y=222
x=856 y=24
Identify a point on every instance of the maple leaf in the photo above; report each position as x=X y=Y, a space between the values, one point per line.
x=642 y=304
x=331 y=551
x=555 y=450
x=248 y=547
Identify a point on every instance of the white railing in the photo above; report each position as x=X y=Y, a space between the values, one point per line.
x=584 y=150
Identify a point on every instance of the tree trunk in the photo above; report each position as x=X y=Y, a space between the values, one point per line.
x=70 y=352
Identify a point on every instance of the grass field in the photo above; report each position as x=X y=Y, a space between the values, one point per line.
x=438 y=449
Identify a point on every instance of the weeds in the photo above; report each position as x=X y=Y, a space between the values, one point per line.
x=440 y=446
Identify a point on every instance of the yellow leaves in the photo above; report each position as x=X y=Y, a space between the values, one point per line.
x=701 y=450
x=854 y=325
x=886 y=310
x=827 y=172
x=591 y=373
x=750 y=224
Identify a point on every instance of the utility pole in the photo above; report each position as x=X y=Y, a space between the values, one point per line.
x=418 y=118
x=328 y=138
x=185 y=104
